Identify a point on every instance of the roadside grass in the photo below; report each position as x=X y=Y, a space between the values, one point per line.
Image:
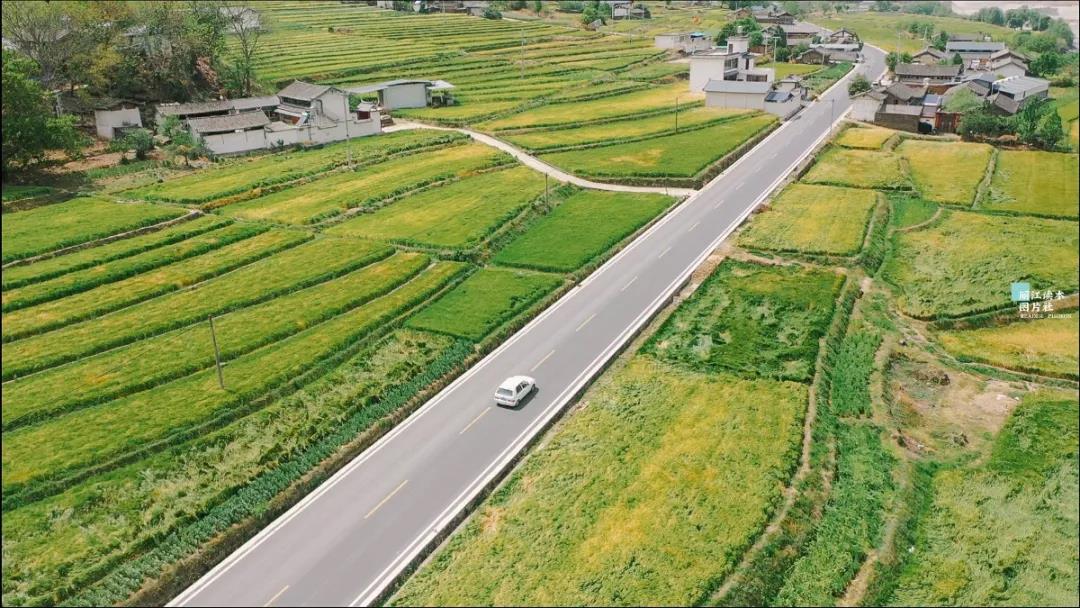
x=817 y=82
x=869 y=138
x=459 y=215
x=852 y=522
x=645 y=497
x=655 y=99
x=858 y=169
x=124 y=269
x=46 y=458
x=487 y=299
x=1043 y=346
x=813 y=219
x=1041 y=183
x=255 y=244
x=752 y=320
x=1004 y=531
x=964 y=263
x=621 y=130
x=301 y=266
x=243 y=175
x=80 y=220
x=330 y=196
x=946 y=172
x=136 y=515
x=49 y=268
x=571 y=236
x=681 y=156
x=168 y=356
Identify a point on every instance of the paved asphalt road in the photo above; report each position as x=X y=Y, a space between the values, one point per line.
x=345 y=542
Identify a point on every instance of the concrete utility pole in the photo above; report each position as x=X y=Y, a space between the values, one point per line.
x=217 y=354
x=547 y=190
x=348 y=138
x=676 y=114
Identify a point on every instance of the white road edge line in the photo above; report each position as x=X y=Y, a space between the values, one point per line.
x=373 y=590
x=391 y=494
x=253 y=543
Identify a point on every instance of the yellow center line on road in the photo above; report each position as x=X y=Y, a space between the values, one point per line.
x=541 y=361
x=388 y=497
x=276 y=595
x=586 y=322
x=664 y=252
x=469 y=426
x=629 y=284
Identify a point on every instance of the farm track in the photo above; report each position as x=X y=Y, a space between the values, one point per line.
x=539 y=165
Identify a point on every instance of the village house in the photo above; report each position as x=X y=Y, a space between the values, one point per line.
x=1007 y=63
x=842 y=36
x=770 y=15
x=1010 y=95
x=918 y=73
x=930 y=56
x=823 y=56
x=730 y=79
x=800 y=33
x=976 y=54
x=241 y=18
x=686 y=43
x=300 y=114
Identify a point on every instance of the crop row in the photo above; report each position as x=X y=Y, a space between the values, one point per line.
x=43 y=459
x=117 y=270
x=43 y=270
x=81 y=220
x=150 y=362
x=299 y=267
x=255 y=243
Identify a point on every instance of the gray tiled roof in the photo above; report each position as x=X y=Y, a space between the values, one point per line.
x=919 y=70
x=956 y=46
x=229 y=122
x=303 y=90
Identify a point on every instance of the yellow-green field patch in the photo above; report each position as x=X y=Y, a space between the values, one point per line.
x=813 y=219
x=870 y=138
x=1039 y=345
x=946 y=172
x=1043 y=183
x=858 y=168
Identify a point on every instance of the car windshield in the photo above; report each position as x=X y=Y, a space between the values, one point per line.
x=504 y=391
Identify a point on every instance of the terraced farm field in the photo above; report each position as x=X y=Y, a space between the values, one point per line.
x=813 y=219
x=683 y=159
x=1044 y=346
x=964 y=263
x=1040 y=183
x=75 y=222
x=243 y=175
x=459 y=215
x=858 y=169
x=946 y=172
x=871 y=138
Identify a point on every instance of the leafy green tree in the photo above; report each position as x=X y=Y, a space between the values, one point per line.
x=965 y=100
x=1049 y=131
x=139 y=141
x=940 y=40
x=29 y=126
x=957 y=59
x=859 y=84
x=1046 y=64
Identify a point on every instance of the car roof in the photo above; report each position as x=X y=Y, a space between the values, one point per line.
x=513 y=381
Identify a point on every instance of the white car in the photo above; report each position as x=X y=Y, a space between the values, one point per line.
x=513 y=390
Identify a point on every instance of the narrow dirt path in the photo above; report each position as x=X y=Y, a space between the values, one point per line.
x=531 y=161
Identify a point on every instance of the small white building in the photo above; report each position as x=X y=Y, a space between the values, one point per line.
x=686 y=42
x=781 y=99
x=395 y=94
x=733 y=62
x=110 y=122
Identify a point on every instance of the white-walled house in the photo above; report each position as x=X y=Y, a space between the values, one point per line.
x=404 y=93
x=300 y=114
x=733 y=62
x=685 y=42
x=109 y=122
